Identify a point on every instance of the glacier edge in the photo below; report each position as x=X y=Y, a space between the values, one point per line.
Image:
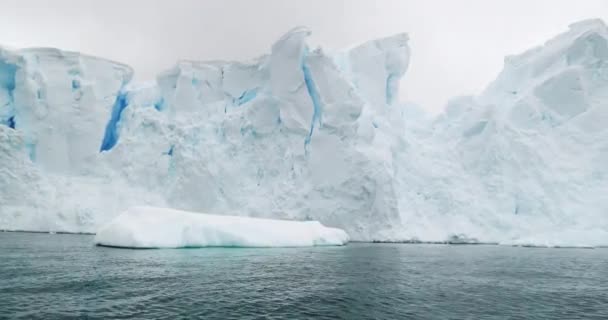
x=306 y=135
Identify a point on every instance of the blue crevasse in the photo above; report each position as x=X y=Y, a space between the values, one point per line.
x=247 y=96
x=11 y=122
x=31 y=151
x=314 y=97
x=110 y=137
x=7 y=82
x=160 y=104
x=7 y=75
x=75 y=84
x=392 y=81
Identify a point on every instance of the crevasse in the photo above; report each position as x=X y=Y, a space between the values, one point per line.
x=311 y=88
x=110 y=137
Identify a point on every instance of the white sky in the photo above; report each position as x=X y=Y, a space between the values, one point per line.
x=458 y=46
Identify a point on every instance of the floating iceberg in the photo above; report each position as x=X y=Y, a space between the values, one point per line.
x=150 y=227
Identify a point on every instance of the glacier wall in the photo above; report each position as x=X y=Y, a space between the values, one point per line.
x=303 y=134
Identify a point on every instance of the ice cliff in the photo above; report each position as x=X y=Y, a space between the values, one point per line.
x=303 y=134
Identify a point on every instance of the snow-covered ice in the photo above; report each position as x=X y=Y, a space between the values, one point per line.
x=306 y=134
x=151 y=227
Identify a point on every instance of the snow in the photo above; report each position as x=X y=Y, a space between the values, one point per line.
x=151 y=227
x=306 y=134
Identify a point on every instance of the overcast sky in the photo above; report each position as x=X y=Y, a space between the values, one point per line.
x=457 y=46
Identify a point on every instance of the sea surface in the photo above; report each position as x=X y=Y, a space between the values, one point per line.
x=44 y=276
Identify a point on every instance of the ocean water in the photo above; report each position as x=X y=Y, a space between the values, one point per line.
x=64 y=276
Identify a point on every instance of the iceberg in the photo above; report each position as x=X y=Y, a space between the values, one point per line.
x=306 y=134
x=150 y=227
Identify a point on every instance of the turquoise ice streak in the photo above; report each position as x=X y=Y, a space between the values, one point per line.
x=110 y=137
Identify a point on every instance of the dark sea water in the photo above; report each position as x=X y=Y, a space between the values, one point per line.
x=64 y=276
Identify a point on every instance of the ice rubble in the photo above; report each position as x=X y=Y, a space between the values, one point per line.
x=150 y=227
x=306 y=135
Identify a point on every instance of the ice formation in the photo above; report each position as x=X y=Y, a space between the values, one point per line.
x=150 y=227
x=307 y=135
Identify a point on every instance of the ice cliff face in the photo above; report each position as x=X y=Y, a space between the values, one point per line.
x=300 y=134
x=534 y=145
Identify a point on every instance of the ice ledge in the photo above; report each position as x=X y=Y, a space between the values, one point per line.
x=150 y=227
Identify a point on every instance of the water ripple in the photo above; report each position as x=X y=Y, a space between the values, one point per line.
x=64 y=276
